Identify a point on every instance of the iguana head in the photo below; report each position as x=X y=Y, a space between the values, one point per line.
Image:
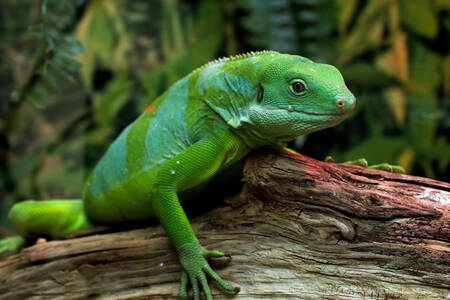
x=276 y=97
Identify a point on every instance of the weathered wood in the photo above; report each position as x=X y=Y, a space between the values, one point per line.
x=302 y=229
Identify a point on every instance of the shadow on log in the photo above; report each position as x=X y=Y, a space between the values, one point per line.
x=301 y=229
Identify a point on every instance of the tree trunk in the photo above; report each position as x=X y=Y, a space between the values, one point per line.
x=301 y=229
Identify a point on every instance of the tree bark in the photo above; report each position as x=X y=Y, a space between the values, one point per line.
x=301 y=229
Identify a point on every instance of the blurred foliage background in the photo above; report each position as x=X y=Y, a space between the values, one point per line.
x=74 y=73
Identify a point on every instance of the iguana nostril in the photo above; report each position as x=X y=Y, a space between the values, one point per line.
x=340 y=103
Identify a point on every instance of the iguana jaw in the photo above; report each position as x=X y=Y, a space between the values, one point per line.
x=271 y=125
x=290 y=109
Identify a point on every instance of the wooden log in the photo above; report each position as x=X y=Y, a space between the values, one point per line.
x=301 y=229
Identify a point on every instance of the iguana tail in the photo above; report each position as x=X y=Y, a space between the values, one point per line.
x=53 y=218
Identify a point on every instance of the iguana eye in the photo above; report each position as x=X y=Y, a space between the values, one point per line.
x=298 y=87
x=260 y=93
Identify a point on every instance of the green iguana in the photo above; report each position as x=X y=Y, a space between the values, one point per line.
x=206 y=121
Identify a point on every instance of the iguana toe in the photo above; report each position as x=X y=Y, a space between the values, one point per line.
x=359 y=162
x=183 y=287
x=388 y=167
x=193 y=257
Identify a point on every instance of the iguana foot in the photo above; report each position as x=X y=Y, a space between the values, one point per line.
x=388 y=167
x=359 y=162
x=193 y=259
x=11 y=245
x=363 y=163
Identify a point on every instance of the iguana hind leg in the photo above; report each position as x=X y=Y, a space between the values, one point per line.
x=359 y=162
x=363 y=163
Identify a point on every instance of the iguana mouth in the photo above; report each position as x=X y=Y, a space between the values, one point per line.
x=307 y=112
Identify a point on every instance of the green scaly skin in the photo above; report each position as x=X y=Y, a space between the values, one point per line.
x=206 y=121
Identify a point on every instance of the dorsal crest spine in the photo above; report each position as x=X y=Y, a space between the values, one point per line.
x=234 y=58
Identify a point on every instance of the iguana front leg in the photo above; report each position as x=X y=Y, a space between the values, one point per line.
x=188 y=169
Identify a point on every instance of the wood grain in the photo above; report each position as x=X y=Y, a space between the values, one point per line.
x=301 y=229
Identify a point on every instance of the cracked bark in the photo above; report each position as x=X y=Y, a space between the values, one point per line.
x=301 y=229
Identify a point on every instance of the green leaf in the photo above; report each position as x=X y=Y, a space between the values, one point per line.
x=367 y=34
x=366 y=75
x=100 y=37
x=102 y=31
x=21 y=168
x=419 y=16
x=446 y=75
x=396 y=99
x=59 y=74
x=378 y=149
x=50 y=176
x=44 y=8
x=108 y=104
x=346 y=10
x=426 y=69
x=55 y=54
x=72 y=45
x=36 y=29
x=65 y=60
x=423 y=115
